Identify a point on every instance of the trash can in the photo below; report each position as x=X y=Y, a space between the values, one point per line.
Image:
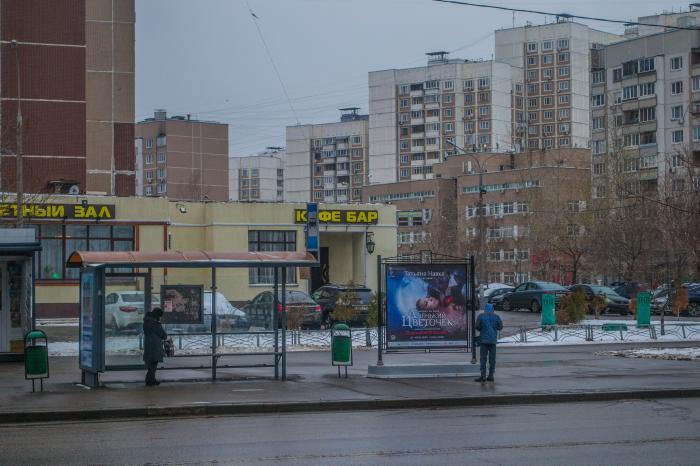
x=341 y=347
x=36 y=357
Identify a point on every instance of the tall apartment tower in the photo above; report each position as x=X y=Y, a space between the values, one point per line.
x=183 y=158
x=645 y=95
x=74 y=63
x=416 y=114
x=258 y=178
x=555 y=59
x=328 y=162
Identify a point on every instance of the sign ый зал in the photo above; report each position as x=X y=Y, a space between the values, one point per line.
x=68 y=211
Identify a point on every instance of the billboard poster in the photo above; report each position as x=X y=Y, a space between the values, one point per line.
x=182 y=304
x=426 y=305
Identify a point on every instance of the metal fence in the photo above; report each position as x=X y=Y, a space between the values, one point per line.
x=598 y=332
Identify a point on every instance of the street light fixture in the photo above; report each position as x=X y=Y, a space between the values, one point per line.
x=369 y=242
x=480 y=208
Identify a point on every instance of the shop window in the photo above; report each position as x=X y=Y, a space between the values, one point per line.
x=59 y=241
x=261 y=240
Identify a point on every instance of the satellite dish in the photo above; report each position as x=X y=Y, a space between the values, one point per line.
x=74 y=189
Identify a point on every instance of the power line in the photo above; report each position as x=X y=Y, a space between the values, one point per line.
x=564 y=15
x=269 y=55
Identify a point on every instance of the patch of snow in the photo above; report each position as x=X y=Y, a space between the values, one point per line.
x=677 y=354
x=57 y=322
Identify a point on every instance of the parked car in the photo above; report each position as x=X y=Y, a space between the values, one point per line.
x=627 y=290
x=227 y=314
x=124 y=310
x=327 y=297
x=615 y=303
x=299 y=307
x=496 y=298
x=660 y=298
x=528 y=295
x=489 y=289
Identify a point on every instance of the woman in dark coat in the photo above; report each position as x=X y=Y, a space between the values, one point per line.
x=153 y=337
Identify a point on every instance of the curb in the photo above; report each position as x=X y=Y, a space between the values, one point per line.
x=346 y=405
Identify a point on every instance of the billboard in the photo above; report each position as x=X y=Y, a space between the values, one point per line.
x=426 y=306
x=182 y=304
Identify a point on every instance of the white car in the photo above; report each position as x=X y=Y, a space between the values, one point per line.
x=124 y=310
x=227 y=314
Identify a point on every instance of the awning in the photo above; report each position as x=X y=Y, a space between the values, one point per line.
x=200 y=259
x=21 y=249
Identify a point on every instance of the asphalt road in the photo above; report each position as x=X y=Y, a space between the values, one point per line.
x=633 y=432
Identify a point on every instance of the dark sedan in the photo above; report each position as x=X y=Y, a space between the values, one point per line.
x=496 y=297
x=302 y=311
x=528 y=295
x=615 y=303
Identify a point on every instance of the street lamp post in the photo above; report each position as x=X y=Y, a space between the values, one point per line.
x=18 y=135
x=480 y=208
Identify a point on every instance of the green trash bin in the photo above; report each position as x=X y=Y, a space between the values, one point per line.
x=36 y=357
x=341 y=347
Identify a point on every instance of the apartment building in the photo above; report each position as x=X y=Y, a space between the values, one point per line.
x=184 y=159
x=426 y=213
x=74 y=63
x=667 y=20
x=328 y=162
x=416 y=114
x=554 y=58
x=645 y=121
x=258 y=178
x=529 y=200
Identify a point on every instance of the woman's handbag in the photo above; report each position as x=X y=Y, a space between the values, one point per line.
x=169 y=347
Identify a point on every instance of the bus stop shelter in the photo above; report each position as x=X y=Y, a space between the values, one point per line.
x=97 y=266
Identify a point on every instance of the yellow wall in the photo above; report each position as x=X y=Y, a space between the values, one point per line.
x=224 y=227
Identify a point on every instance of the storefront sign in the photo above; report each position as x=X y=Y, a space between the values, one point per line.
x=333 y=216
x=68 y=211
x=426 y=305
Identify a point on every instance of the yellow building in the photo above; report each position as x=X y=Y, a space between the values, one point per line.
x=67 y=223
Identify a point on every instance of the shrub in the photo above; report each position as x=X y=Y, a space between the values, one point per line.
x=372 y=311
x=599 y=303
x=345 y=309
x=680 y=300
x=572 y=308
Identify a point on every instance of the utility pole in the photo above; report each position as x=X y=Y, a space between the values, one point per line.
x=480 y=208
x=18 y=151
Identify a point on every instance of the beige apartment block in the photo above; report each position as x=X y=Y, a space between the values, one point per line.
x=184 y=159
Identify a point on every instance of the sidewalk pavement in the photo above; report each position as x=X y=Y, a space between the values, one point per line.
x=524 y=375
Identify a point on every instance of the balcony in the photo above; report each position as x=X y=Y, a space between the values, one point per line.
x=417 y=149
x=417 y=121
x=646 y=174
x=417 y=163
x=343 y=145
x=420 y=135
x=432 y=106
x=432 y=119
x=342 y=172
x=416 y=93
x=328 y=172
x=342 y=199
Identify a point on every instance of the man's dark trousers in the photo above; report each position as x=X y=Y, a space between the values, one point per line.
x=488 y=349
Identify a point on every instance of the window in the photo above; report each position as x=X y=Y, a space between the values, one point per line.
x=648 y=161
x=531 y=61
x=598 y=100
x=548 y=115
x=676 y=161
x=531 y=116
x=547 y=59
x=630 y=165
x=403 y=89
x=629 y=92
x=433 y=84
x=563 y=85
x=149 y=143
x=404 y=173
x=547 y=101
x=563 y=44
x=432 y=99
x=564 y=128
x=484 y=140
x=483 y=111
x=598 y=122
x=677 y=136
x=447 y=98
x=647 y=114
x=261 y=240
x=598 y=147
x=676 y=87
x=58 y=241
x=676 y=63
x=598 y=76
x=533 y=130
x=404 y=145
x=676 y=112
x=532 y=47
x=617 y=75
x=546 y=87
x=678 y=184
x=532 y=102
x=631 y=140
x=356 y=140
x=599 y=191
x=696 y=133
x=448 y=84
x=483 y=83
x=563 y=71
x=468 y=99
x=532 y=75
x=648 y=137
x=598 y=168
x=149 y=158
x=548 y=129
x=563 y=113
x=449 y=127
x=161 y=156
x=563 y=99
x=448 y=112
x=161 y=172
x=149 y=190
x=646 y=89
x=696 y=83
x=484 y=124
x=564 y=142
x=563 y=57
x=646 y=64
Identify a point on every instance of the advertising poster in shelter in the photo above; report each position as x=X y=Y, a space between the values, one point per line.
x=182 y=304
x=426 y=305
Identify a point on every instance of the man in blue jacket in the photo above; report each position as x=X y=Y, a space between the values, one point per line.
x=488 y=324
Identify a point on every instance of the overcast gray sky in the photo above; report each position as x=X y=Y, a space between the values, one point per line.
x=205 y=57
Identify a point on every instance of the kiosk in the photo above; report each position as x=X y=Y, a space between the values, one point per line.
x=17 y=249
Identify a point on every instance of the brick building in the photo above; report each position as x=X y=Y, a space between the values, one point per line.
x=74 y=61
x=184 y=159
